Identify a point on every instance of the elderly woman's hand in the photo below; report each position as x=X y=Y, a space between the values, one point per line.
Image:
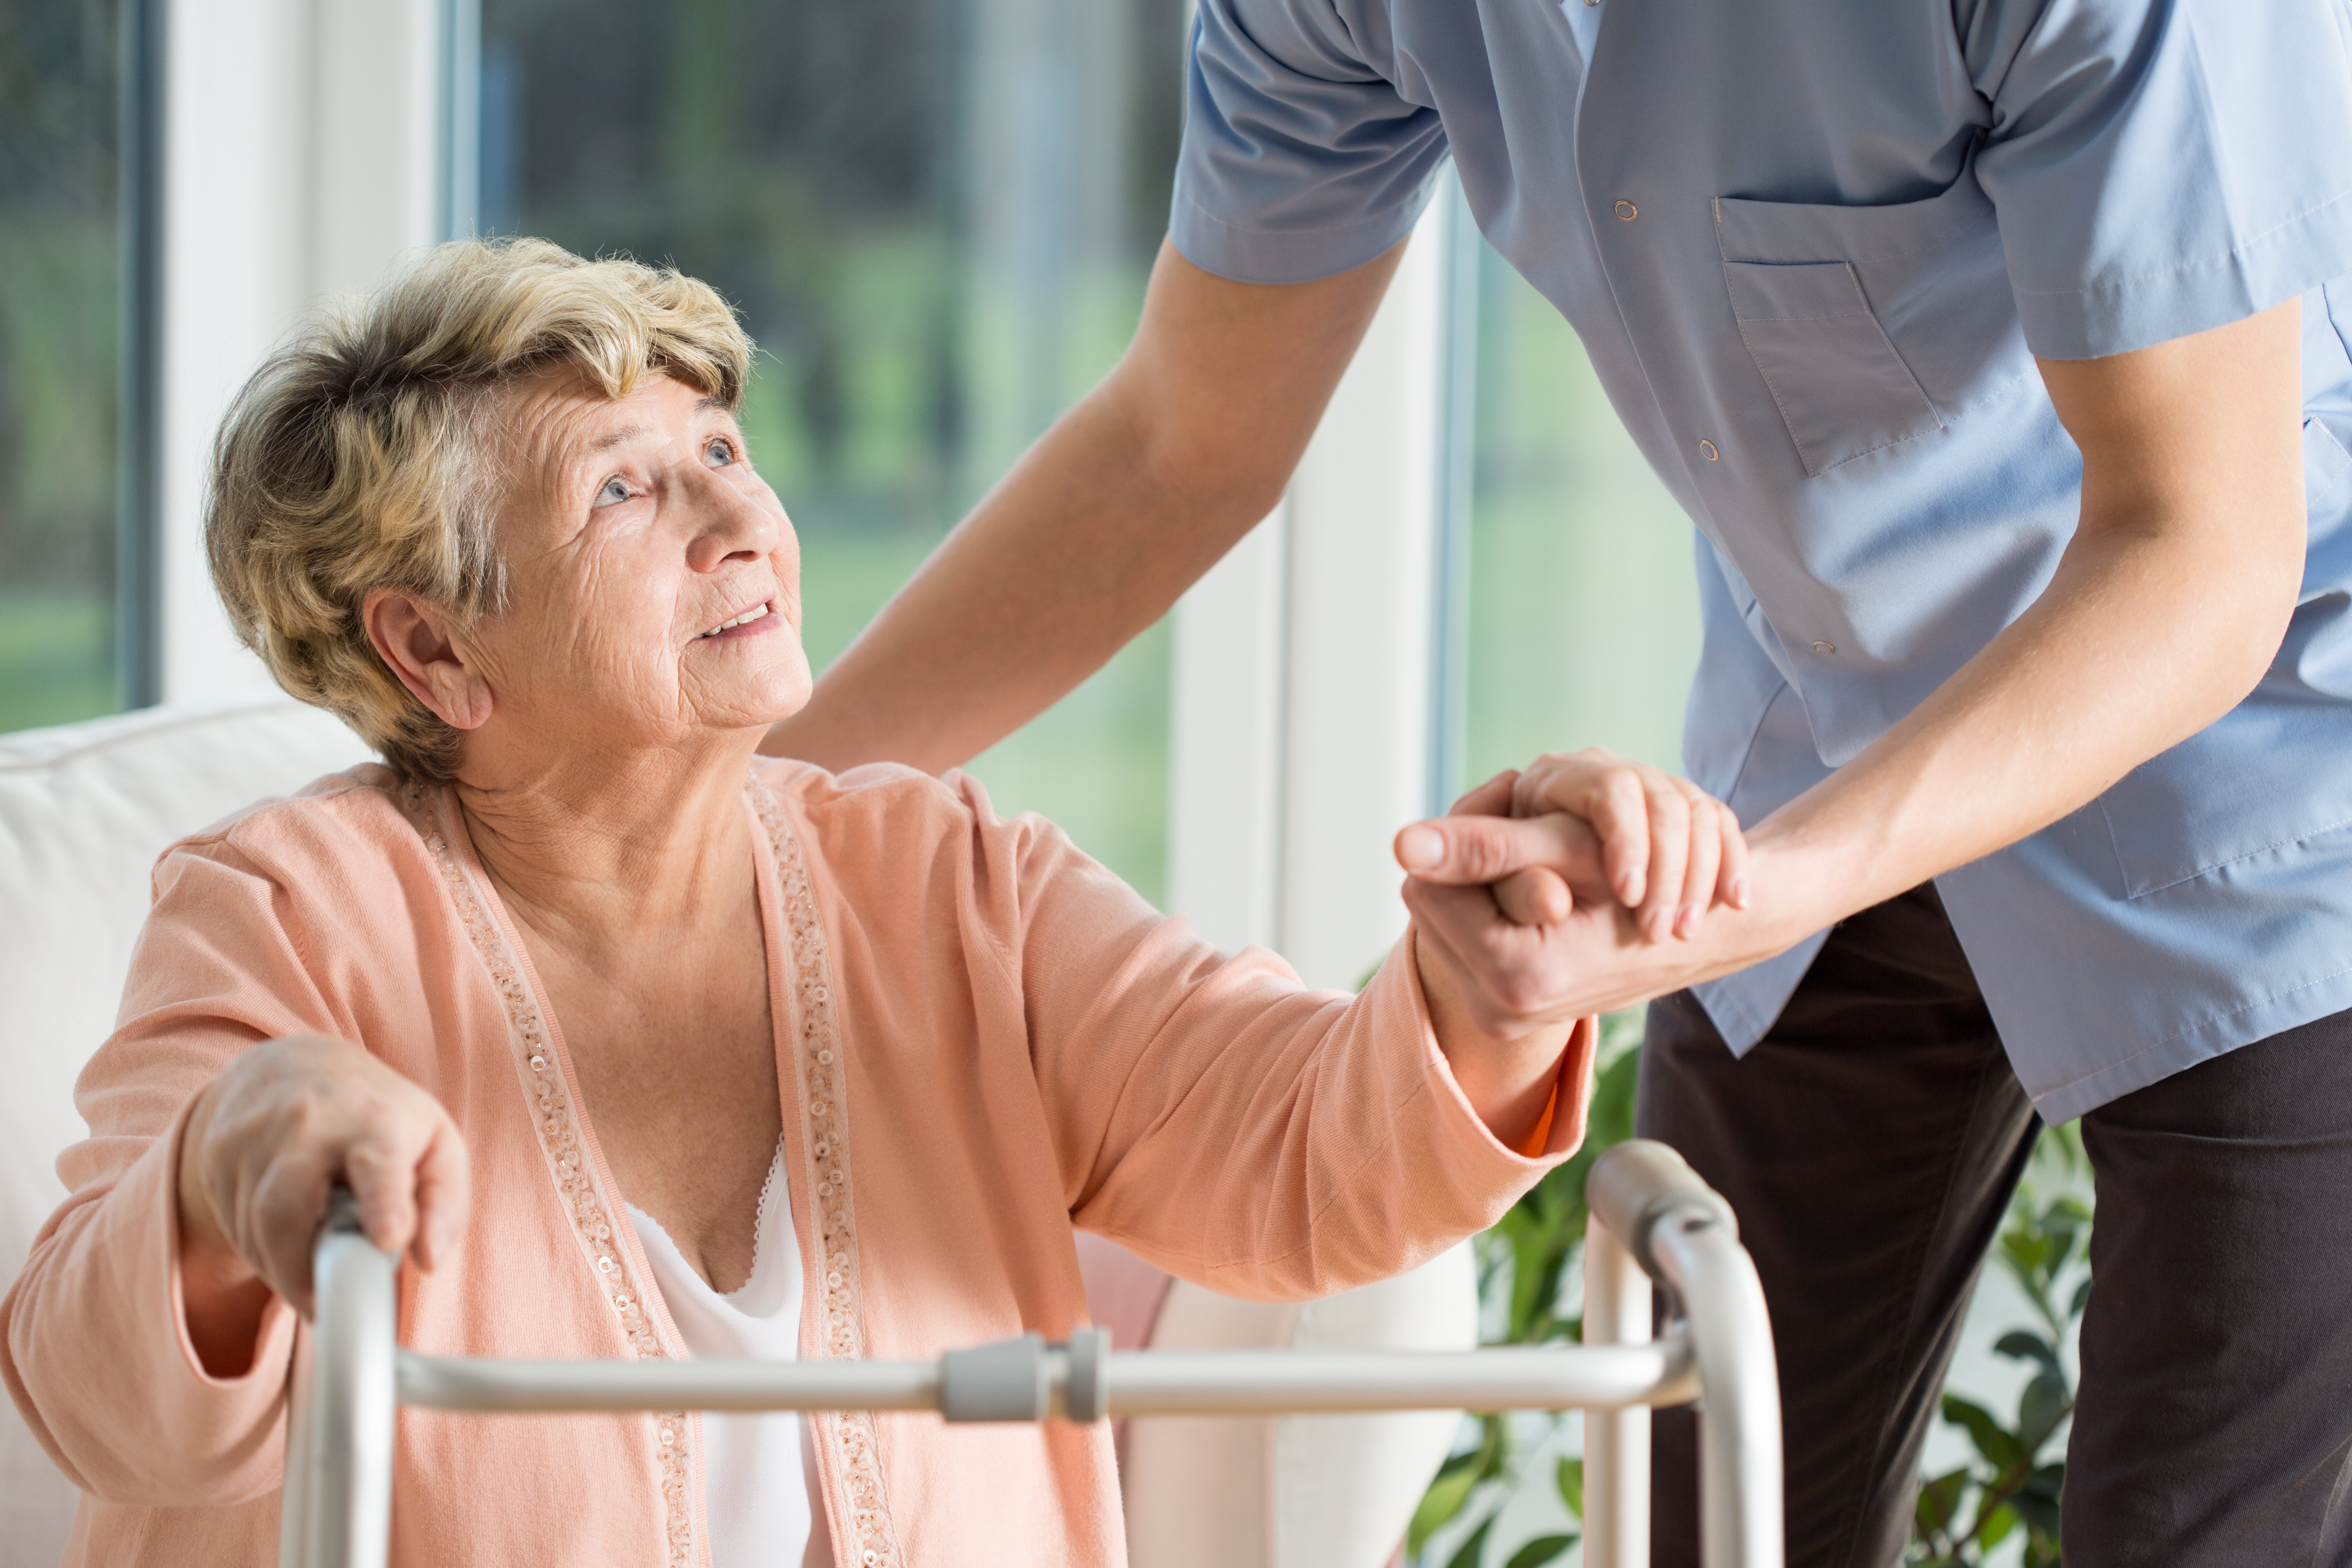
x=269 y=1136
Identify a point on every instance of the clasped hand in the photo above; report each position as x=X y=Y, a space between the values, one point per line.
x=1581 y=885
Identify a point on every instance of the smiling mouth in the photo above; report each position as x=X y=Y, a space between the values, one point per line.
x=752 y=616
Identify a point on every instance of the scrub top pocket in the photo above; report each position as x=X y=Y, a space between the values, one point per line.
x=1872 y=326
x=1840 y=386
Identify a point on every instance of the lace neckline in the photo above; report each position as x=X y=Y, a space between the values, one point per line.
x=764 y=1255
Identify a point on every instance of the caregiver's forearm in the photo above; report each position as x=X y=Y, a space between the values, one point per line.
x=2164 y=613
x=1101 y=525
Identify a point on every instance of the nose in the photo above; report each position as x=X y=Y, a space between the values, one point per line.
x=728 y=525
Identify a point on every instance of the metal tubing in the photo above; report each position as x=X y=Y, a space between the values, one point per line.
x=448 y=1383
x=1146 y=1383
x=1617 y=1312
x=1206 y=1383
x=349 y=1372
x=1739 y=1418
x=339 y=1448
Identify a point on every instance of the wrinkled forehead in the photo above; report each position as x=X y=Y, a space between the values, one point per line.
x=556 y=428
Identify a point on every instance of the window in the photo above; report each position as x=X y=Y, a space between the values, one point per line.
x=937 y=217
x=1583 y=623
x=59 y=306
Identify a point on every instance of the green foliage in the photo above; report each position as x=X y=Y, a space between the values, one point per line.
x=1524 y=1262
x=2011 y=1483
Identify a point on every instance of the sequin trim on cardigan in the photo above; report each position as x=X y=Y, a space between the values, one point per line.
x=567 y=1162
x=824 y=1112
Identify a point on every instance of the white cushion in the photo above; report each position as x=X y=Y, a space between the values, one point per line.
x=85 y=809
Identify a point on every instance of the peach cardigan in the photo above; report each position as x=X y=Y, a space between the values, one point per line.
x=985 y=1040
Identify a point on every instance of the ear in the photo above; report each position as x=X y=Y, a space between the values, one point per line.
x=417 y=643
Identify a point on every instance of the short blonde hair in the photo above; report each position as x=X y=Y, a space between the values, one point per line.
x=360 y=455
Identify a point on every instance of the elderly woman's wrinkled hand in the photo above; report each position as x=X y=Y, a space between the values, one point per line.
x=269 y=1137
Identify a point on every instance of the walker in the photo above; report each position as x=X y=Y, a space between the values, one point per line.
x=1654 y=1220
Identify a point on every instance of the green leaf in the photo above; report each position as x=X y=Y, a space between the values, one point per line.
x=2036 y=1501
x=1473 y=1550
x=1570 y=1478
x=1940 y=1500
x=2074 y=1210
x=2017 y=1344
x=2040 y=1409
x=1993 y=1440
x=1540 y=1550
x=1455 y=1479
x=1996 y=1528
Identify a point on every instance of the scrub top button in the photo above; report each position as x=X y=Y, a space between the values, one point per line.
x=1707 y=449
x=1628 y=211
x=1825 y=647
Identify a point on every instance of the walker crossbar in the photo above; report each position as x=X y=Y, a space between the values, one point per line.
x=1653 y=1219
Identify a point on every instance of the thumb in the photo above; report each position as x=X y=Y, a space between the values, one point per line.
x=1462 y=851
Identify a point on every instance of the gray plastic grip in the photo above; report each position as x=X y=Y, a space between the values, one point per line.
x=1087 y=1395
x=1639 y=1183
x=1005 y=1381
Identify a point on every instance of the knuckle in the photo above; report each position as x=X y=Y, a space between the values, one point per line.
x=1480 y=856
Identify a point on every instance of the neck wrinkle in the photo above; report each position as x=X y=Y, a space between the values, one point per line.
x=593 y=860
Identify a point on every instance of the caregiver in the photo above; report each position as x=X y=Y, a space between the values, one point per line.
x=1991 y=348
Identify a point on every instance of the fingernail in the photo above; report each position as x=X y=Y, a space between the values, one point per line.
x=1420 y=847
x=1686 y=922
x=1740 y=892
x=436 y=1240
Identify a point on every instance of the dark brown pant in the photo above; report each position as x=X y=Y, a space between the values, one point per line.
x=1869 y=1145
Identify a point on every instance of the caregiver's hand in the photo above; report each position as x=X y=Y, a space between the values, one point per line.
x=266 y=1140
x=1515 y=975
x=1660 y=845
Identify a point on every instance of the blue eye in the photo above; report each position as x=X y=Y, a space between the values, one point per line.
x=720 y=453
x=612 y=491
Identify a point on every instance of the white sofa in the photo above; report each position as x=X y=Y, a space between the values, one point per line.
x=85 y=808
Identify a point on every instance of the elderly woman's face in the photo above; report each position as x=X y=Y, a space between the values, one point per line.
x=653 y=578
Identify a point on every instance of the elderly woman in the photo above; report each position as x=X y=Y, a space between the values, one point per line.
x=643 y=1047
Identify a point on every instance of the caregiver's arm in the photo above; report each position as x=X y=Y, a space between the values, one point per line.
x=2165 y=610
x=1107 y=519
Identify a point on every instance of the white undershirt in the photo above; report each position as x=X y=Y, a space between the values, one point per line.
x=758 y=1475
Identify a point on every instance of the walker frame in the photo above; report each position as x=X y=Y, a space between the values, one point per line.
x=1652 y=1220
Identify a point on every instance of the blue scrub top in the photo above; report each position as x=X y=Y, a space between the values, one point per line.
x=1812 y=248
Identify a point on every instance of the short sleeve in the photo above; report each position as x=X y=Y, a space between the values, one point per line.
x=1300 y=158
x=2161 y=167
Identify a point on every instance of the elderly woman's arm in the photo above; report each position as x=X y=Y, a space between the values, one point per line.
x=143 y=1353
x=1242 y=1130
